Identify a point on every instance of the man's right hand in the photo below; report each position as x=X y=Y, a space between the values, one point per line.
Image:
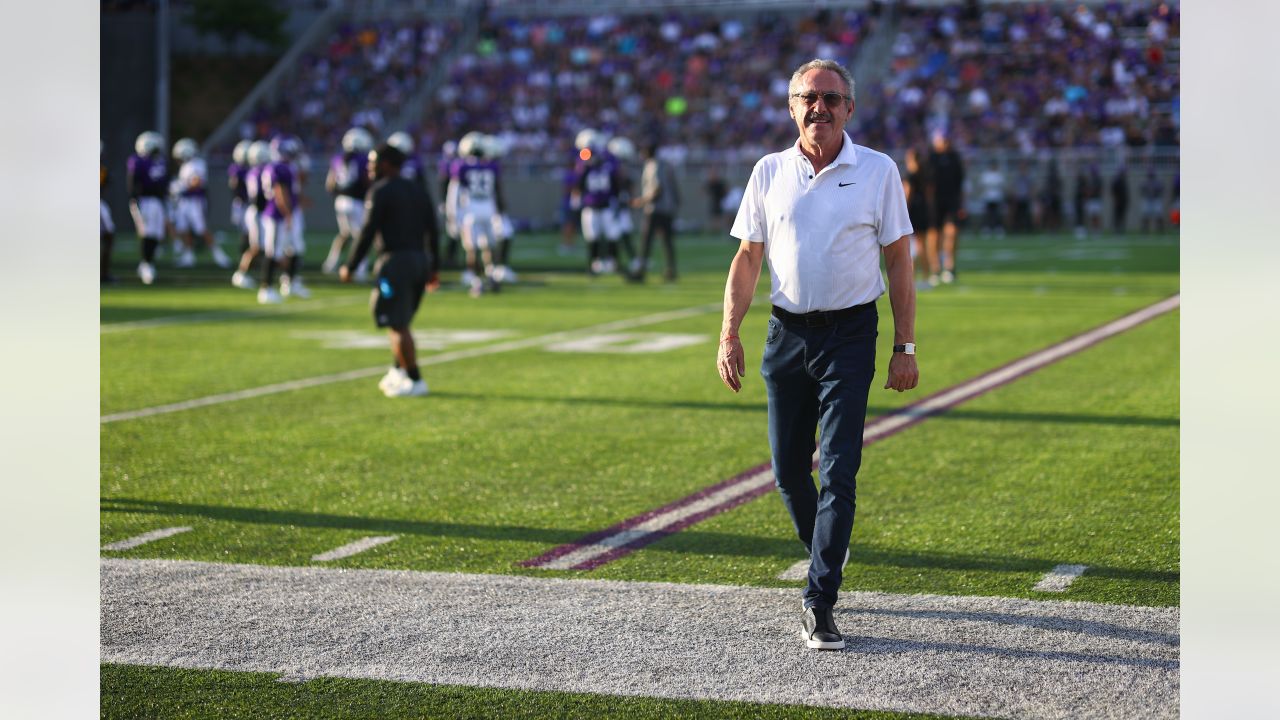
x=731 y=363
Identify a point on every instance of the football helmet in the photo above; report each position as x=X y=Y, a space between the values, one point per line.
x=622 y=148
x=357 y=140
x=259 y=153
x=589 y=139
x=401 y=141
x=240 y=155
x=185 y=149
x=471 y=145
x=285 y=147
x=148 y=143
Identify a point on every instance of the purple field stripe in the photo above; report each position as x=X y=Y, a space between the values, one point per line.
x=922 y=410
x=624 y=550
x=638 y=519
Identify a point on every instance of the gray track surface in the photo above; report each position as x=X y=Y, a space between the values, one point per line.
x=995 y=657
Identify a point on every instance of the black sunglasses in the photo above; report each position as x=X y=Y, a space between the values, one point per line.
x=829 y=98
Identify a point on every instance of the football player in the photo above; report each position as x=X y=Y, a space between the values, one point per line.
x=257 y=158
x=473 y=201
x=348 y=182
x=495 y=148
x=597 y=183
x=147 y=180
x=189 y=216
x=444 y=171
x=281 y=240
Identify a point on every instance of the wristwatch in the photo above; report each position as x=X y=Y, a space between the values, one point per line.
x=905 y=348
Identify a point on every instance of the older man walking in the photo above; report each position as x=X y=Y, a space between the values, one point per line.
x=822 y=213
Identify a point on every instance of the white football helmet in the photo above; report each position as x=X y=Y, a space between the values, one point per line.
x=401 y=141
x=357 y=140
x=259 y=153
x=589 y=138
x=185 y=149
x=240 y=155
x=622 y=148
x=148 y=143
x=471 y=145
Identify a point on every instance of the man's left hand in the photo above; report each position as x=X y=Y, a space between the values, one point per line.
x=344 y=274
x=433 y=283
x=903 y=373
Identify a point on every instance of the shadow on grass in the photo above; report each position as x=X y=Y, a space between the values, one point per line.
x=872 y=412
x=683 y=542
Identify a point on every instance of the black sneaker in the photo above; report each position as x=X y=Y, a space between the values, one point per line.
x=820 y=631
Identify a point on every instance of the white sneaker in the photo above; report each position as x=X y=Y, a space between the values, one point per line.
x=468 y=279
x=407 y=388
x=504 y=274
x=240 y=280
x=329 y=266
x=477 y=287
x=933 y=280
x=394 y=378
x=146 y=272
x=220 y=258
x=269 y=296
x=294 y=288
x=948 y=277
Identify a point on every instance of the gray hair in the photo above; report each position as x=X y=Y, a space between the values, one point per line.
x=821 y=64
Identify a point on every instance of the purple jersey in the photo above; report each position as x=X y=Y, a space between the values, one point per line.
x=279 y=175
x=149 y=176
x=413 y=169
x=479 y=178
x=236 y=173
x=253 y=188
x=598 y=182
x=350 y=174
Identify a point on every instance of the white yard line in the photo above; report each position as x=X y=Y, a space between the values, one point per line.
x=950 y=655
x=799 y=571
x=422 y=362
x=145 y=538
x=1060 y=578
x=195 y=318
x=353 y=548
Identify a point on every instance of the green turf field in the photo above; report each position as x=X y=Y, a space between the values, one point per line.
x=523 y=446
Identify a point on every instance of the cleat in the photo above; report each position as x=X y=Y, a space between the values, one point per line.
x=819 y=631
x=240 y=280
x=468 y=278
x=948 y=277
x=269 y=296
x=294 y=288
x=934 y=280
x=146 y=272
x=394 y=378
x=408 y=388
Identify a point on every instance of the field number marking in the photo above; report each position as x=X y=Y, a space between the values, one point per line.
x=145 y=538
x=628 y=343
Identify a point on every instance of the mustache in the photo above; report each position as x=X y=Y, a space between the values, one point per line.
x=818 y=117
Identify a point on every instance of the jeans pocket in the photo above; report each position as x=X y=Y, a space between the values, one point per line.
x=775 y=329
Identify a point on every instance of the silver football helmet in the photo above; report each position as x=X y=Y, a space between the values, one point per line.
x=148 y=143
x=401 y=141
x=622 y=148
x=357 y=140
x=240 y=155
x=185 y=149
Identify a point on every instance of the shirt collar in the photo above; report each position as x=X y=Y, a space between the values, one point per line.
x=847 y=155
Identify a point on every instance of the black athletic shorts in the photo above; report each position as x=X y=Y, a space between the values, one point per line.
x=946 y=208
x=399 y=286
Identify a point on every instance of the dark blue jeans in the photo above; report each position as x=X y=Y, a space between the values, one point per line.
x=817 y=379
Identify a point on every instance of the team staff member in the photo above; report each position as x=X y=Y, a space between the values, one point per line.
x=402 y=214
x=821 y=212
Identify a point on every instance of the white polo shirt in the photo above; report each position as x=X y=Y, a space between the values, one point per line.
x=823 y=233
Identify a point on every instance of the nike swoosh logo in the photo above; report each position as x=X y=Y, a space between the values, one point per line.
x=847 y=184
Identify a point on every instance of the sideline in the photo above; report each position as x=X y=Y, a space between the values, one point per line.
x=966 y=656
x=439 y=359
x=219 y=315
x=626 y=537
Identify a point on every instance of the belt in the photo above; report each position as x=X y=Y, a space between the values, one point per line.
x=821 y=318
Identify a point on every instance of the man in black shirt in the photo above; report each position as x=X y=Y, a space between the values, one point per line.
x=402 y=214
